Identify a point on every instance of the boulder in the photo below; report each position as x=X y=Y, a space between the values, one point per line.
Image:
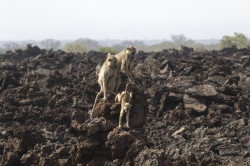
x=194 y=103
x=202 y=91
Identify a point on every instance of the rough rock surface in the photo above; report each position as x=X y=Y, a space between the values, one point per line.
x=189 y=108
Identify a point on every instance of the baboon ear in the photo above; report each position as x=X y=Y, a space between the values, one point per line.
x=131 y=48
x=109 y=55
x=128 y=50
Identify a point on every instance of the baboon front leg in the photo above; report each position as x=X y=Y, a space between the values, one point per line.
x=96 y=98
x=127 y=119
x=118 y=98
x=105 y=88
x=120 y=118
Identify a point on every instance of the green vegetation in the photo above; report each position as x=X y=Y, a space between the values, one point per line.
x=177 y=41
x=136 y=43
x=75 y=47
x=162 y=46
x=90 y=44
x=81 y=45
x=239 y=41
x=107 y=50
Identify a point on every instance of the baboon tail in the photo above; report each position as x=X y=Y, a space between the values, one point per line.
x=128 y=84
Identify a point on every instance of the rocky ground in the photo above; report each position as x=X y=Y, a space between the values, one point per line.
x=189 y=108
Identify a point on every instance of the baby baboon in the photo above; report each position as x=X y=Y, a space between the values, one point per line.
x=124 y=99
x=125 y=59
x=107 y=77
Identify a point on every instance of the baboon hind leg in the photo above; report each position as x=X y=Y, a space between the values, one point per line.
x=120 y=118
x=127 y=119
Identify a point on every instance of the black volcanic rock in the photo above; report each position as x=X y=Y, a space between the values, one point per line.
x=189 y=108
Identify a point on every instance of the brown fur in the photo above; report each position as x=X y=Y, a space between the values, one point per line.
x=124 y=99
x=124 y=59
x=107 y=77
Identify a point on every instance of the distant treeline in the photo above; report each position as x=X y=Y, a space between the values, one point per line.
x=238 y=40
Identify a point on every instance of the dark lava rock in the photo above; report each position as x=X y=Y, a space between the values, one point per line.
x=189 y=108
x=194 y=103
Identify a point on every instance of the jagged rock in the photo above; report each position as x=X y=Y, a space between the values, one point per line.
x=46 y=150
x=105 y=125
x=12 y=159
x=216 y=80
x=177 y=132
x=139 y=109
x=245 y=60
x=86 y=150
x=103 y=109
x=180 y=84
x=25 y=102
x=149 y=157
x=119 y=142
x=29 y=159
x=195 y=104
x=221 y=108
x=202 y=91
x=78 y=126
x=46 y=97
x=93 y=128
x=40 y=101
x=87 y=147
x=63 y=152
x=48 y=161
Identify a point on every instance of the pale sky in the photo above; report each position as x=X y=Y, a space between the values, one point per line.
x=117 y=19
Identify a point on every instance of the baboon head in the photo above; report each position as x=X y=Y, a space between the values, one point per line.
x=127 y=106
x=111 y=61
x=131 y=50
